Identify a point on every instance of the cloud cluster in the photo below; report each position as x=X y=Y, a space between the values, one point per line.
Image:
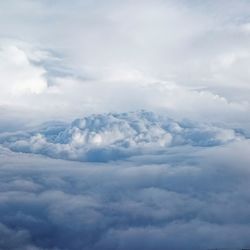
x=112 y=136
x=188 y=198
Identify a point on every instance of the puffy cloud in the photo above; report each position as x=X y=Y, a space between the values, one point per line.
x=131 y=180
x=113 y=136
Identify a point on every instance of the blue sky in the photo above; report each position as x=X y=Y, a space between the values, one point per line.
x=124 y=124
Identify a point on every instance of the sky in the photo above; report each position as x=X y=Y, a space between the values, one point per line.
x=62 y=60
x=124 y=124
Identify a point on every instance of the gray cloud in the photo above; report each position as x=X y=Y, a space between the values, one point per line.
x=197 y=202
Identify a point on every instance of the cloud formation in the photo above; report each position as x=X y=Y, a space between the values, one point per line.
x=188 y=198
x=122 y=180
x=113 y=136
x=93 y=57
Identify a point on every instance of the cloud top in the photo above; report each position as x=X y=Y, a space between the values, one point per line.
x=112 y=136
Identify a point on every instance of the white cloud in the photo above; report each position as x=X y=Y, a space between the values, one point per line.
x=18 y=75
x=166 y=184
x=110 y=137
x=112 y=56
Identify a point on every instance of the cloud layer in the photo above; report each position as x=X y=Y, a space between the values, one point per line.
x=193 y=198
x=122 y=180
x=147 y=182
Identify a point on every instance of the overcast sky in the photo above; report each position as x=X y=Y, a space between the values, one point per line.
x=61 y=59
x=124 y=124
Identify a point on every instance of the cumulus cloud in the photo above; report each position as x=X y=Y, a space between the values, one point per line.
x=113 y=136
x=120 y=180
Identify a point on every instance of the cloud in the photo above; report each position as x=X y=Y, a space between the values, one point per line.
x=113 y=136
x=93 y=57
x=28 y=79
x=118 y=179
x=199 y=201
